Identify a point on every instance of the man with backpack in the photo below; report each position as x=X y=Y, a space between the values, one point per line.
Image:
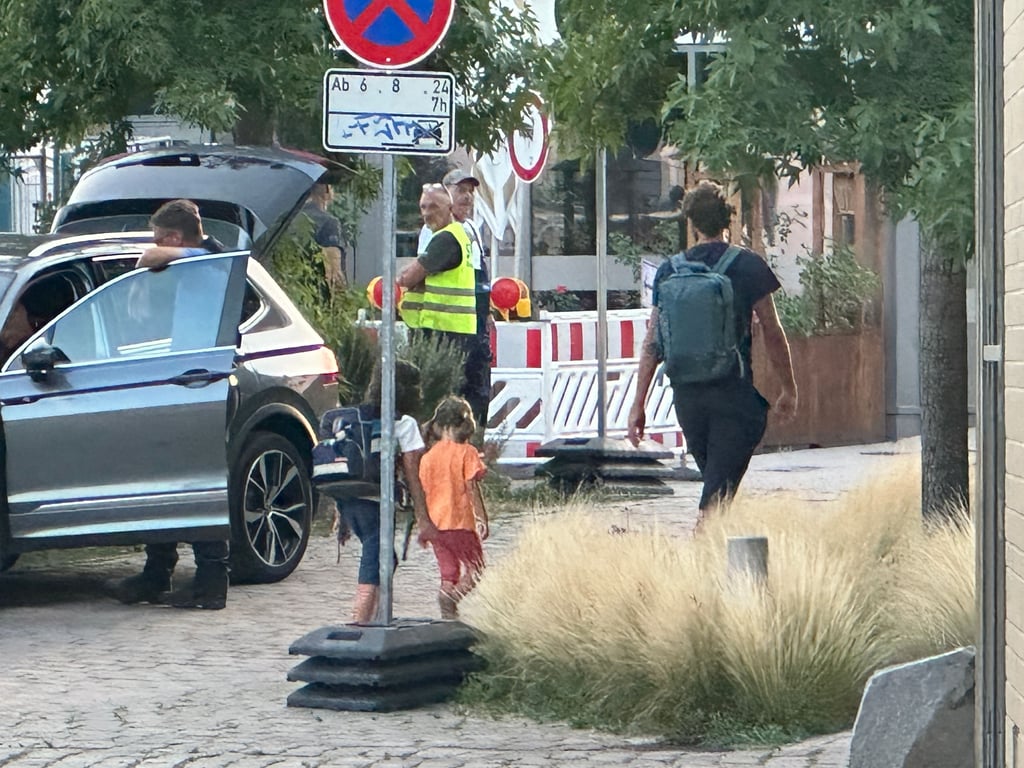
x=704 y=302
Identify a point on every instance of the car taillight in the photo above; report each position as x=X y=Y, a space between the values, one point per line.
x=329 y=366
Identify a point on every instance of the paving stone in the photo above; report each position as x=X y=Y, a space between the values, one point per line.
x=86 y=677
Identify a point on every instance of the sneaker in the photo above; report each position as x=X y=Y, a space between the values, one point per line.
x=141 y=588
x=189 y=598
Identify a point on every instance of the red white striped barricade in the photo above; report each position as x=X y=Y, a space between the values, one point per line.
x=562 y=336
x=544 y=380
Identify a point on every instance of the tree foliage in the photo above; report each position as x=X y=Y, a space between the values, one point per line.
x=801 y=83
x=253 y=68
x=611 y=69
x=887 y=83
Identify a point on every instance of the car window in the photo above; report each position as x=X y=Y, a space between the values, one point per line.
x=111 y=267
x=232 y=236
x=38 y=302
x=145 y=313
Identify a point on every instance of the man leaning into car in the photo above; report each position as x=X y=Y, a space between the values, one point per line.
x=178 y=233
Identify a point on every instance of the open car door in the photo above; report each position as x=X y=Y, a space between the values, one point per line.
x=114 y=414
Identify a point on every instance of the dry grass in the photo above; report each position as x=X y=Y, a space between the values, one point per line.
x=645 y=631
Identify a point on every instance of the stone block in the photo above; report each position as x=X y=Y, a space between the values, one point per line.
x=918 y=715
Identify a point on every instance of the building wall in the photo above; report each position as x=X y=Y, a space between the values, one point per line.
x=1013 y=191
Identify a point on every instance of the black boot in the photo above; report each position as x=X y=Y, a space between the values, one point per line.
x=146 y=587
x=190 y=598
x=209 y=590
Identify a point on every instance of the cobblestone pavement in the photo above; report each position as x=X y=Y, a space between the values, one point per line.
x=89 y=682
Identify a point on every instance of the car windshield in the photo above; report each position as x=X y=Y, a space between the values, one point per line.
x=231 y=236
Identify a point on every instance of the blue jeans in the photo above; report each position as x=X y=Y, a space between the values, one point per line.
x=362 y=516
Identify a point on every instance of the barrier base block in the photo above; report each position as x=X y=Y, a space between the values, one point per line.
x=615 y=465
x=382 y=668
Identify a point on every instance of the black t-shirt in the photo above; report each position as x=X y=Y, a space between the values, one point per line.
x=751 y=277
x=443 y=253
x=326 y=228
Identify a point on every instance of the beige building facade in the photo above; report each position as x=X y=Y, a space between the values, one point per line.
x=1013 y=372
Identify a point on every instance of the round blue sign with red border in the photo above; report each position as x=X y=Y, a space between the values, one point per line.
x=389 y=33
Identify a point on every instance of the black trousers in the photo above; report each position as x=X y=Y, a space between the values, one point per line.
x=723 y=423
x=476 y=382
x=211 y=559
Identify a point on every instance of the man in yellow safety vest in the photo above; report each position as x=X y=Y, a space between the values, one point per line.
x=441 y=285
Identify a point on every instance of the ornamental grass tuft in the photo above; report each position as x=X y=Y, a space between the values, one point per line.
x=644 y=631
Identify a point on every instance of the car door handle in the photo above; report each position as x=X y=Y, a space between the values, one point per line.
x=199 y=377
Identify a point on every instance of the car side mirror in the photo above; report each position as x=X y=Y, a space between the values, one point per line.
x=41 y=358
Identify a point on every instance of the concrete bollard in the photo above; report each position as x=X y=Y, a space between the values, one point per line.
x=748 y=555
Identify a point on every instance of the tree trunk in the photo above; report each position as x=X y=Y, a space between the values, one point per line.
x=943 y=333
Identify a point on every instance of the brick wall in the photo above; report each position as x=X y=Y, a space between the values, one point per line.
x=1013 y=85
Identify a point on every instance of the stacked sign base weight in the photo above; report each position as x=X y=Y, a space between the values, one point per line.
x=408 y=663
x=614 y=465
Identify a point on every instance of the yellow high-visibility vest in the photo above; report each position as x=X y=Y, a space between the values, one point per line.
x=448 y=301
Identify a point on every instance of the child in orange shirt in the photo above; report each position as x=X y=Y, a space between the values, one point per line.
x=449 y=473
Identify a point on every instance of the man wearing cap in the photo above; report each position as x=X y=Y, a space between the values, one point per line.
x=443 y=293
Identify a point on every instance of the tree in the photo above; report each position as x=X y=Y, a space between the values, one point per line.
x=886 y=83
x=252 y=68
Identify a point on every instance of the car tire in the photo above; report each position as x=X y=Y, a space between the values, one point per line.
x=271 y=509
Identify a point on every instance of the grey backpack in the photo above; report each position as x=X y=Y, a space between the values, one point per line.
x=697 y=321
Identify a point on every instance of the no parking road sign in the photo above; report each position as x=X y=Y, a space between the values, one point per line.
x=389 y=33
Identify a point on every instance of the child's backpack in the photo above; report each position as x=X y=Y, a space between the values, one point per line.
x=697 y=321
x=346 y=460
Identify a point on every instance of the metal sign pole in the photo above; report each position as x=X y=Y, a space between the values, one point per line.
x=387 y=400
x=602 y=290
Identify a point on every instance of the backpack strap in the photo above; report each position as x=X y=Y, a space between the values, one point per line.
x=726 y=259
x=678 y=260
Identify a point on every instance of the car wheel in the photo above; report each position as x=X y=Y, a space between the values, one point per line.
x=7 y=562
x=271 y=509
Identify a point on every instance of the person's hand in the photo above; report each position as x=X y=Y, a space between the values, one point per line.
x=335 y=277
x=483 y=530
x=332 y=269
x=785 y=406
x=340 y=529
x=427 y=534
x=637 y=423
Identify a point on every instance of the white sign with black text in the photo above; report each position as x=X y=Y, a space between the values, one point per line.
x=406 y=113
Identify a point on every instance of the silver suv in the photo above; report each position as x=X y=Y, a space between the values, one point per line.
x=177 y=405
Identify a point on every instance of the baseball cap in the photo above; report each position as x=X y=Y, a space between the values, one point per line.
x=457 y=176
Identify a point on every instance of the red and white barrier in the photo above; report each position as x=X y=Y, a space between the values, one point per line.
x=565 y=336
x=544 y=381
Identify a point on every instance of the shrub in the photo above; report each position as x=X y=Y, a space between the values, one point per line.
x=296 y=265
x=837 y=295
x=643 y=632
x=441 y=365
x=561 y=299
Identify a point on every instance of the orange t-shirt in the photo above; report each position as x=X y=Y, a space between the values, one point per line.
x=444 y=472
